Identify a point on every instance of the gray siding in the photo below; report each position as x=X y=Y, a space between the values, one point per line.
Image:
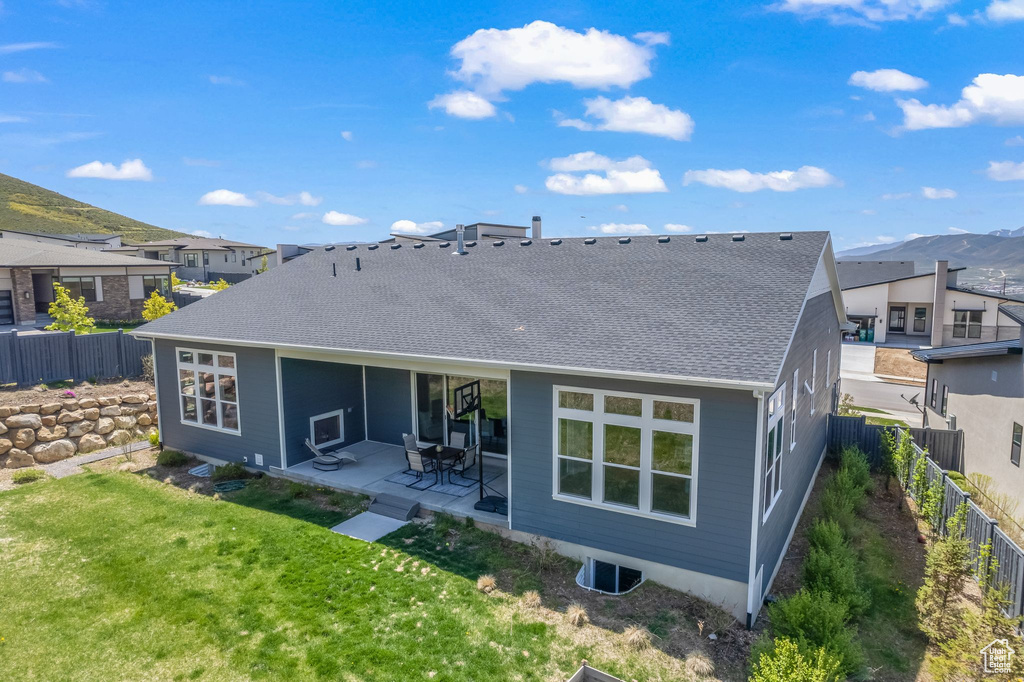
x=310 y=388
x=388 y=404
x=818 y=329
x=257 y=407
x=717 y=545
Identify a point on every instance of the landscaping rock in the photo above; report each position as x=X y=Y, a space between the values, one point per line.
x=92 y=413
x=45 y=435
x=6 y=412
x=30 y=409
x=23 y=438
x=5 y=445
x=104 y=425
x=19 y=458
x=69 y=405
x=53 y=451
x=119 y=437
x=145 y=420
x=91 y=442
x=109 y=400
x=124 y=422
x=80 y=428
x=3 y=429
x=72 y=416
x=134 y=398
x=152 y=395
x=110 y=411
x=49 y=408
x=24 y=421
x=153 y=417
x=132 y=409
x=151 y=405
x=49 y=420
x=87 y=403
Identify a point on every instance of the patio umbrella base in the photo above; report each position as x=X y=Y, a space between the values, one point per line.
x=493 y=504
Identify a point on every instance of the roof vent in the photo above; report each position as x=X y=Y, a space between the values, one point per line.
x=624 y=240
x=664 y=240
x=700 y=238
x=786 y=237
x=499 y=242
x=590 y=240
x=329 y=248
x=373 y=247
x=526 y=242
x=350 y=247
x=395 y=247
x=470 y=243
x=737 y=237
x=418 y=245
x=556 y=242
x=444 y=245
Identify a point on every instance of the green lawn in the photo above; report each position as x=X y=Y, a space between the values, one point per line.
x=128 y=326
x=115 y=576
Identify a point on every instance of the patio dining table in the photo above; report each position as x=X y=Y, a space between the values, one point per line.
x=446 y=454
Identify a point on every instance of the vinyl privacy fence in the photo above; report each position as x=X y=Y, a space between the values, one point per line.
x=31 y=359
x=943 y=446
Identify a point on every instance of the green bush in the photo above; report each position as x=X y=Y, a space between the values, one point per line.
x=837 y=505
x=835 y=573
x=229 y=472
x=958 y=478
x=856 y=465
x=154 y=438
x=171 y=458
x=827 y=535
x=813 y=620
x=783 y=661
x=27 y=475
x=296 y=490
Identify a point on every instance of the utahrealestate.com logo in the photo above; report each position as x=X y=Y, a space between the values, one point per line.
x=997 y=657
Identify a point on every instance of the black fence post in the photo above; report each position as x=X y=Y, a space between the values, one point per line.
x=120 y=352
x=16 y=357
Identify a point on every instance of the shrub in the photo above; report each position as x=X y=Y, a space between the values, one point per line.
x=827 y=535
x=853 y=461
x=22 y=476
x=486 y=584
x=785 y=662
x=296 y=490
x=919 y=481
x=637 y=638
x=156 y=306
x=813 y=620
x=838 y=506
x=958 y=478
x=171 y=458
x=835 y=573
x=69 y=314
x=947 y=568
x=531 y=599
x=229 y=472
x=577 y=615
x=699 y=666
x=932 y=504
x=154 y=437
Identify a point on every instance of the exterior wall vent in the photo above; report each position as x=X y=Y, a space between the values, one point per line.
x=664 y=240
x=700 y=238
x=373 y=247
x=556 y=242
x=624 y=240
x=500 y=242
x=395 y=247
x=351 y=247
x=418 y=245
x=526 y=242
x=786 y=237
x=737 y=237
x=590 y=240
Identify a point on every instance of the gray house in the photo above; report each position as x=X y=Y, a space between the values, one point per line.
x=654 y=406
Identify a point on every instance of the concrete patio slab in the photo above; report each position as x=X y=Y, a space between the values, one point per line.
x=368 y=526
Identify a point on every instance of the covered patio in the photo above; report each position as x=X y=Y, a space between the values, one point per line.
x=379 y=468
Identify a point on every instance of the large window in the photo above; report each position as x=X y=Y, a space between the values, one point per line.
x=84 y=287
x=628 y=452
x=1015 y=444
x=191 y=260
x=157 y=283
x=967 y=324
x=208 y=389
x=920 y=319
x=773 y=449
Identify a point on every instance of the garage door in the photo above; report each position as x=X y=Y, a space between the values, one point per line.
x=6 y=308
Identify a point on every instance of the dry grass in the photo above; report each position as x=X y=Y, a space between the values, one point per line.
x=577 y=615
x=699 y=666
x=486 y=584
x=897 y=362
x=531 y=599
x=637 y=638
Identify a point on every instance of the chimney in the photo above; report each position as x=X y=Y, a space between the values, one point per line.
x=536 y=228
x=460 y=233
x=939 y=301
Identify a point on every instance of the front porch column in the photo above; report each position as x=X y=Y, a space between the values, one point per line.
x=24 y=306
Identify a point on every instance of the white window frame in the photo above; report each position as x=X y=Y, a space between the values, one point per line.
x=647 y=425
x=796 y=393
x=218 y=371
x=340 y=414
x=814 y=378
x=776 y=406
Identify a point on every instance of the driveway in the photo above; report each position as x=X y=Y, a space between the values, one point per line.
x=858 y=361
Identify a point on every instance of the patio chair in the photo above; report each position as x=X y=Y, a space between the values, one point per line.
x=457 y=440
x=325 y=461
x=420 y=466
x=410 y=446
x=465 y=465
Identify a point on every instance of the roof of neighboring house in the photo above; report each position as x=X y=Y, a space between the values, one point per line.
x=197 y=244
x=985 y=292
x=20 y=253
x=854 y=274
x=1015 y=311
x=91 y=238
x=973 y=350
x=722 y=310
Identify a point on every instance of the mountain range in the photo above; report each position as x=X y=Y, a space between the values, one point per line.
x=25 y=207
x=1002 y=249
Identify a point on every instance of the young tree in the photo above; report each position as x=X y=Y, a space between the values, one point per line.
x=157 y=306
x=69 y=314
x=947 y=568
x=786 y=663
x=219 y=285
x=175 y=282
x=263 y=265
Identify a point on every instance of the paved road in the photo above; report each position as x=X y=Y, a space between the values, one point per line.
x=885 y=396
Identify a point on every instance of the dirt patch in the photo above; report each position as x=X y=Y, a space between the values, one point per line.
x=897 y=362
x=55 y=392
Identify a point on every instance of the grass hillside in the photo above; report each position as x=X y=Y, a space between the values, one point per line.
x=30 y=208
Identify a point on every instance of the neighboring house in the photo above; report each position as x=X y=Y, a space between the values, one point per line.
x=979 y=388
x=94 y=241
x=892 y=302
x=476 y=232
x=654 y=406
x=114 y=286
x=203 y=258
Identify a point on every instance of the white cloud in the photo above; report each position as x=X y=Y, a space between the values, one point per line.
x=882 y=239
x=346 y=219
x=898 y=195
x=521 y=189
x=225 y=197
x=303 y=198
x=653 y=37
x=957 y=230
x=202 y=233
x=1005 y=10
x=130 y=169
x=634 y=115
x=305 y=216
x=677 y=227
x=990 y=97
x=955 y=19
x=11 y=48
x=346 y=135
x=225 y=80
x=937 y=193
x=887 y=80
x=1015 y=141
x=870 y=116
x=621 y=228
x=913 y=235
x=410 y=227
x=630 y=176
x=742 y=180
x=862 y=12
x=23 y=76
x=621 y=208
x=463 y=104
x=1005 y=170
x=7 y=118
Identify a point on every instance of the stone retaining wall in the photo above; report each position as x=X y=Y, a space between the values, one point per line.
x=49 y=432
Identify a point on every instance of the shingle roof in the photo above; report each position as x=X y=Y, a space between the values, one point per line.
x=206 y=243
x=1015 y=311
x=854 y=274
x=16 y=253
x=985 y=292
x=972 y=350
x=718 y=309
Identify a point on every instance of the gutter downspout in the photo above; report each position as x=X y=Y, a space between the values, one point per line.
x=755 y=513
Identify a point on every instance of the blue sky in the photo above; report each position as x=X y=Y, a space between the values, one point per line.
x=328 y=121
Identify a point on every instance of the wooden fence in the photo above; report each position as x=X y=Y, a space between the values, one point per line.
x=945 y=447
x=29 y=359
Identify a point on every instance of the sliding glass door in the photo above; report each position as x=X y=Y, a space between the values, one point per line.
x=435 y=391
x=430 y=419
